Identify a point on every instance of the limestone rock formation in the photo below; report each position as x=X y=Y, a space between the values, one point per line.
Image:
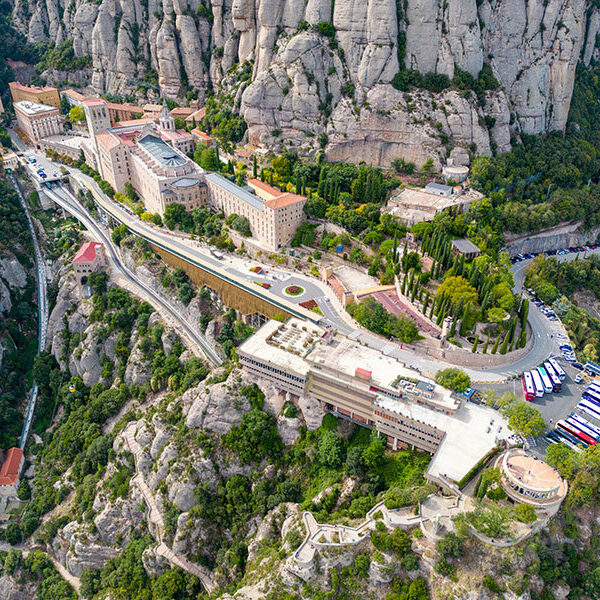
x=322 y=70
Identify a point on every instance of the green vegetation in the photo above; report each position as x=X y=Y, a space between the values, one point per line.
x=372 y=315
x=453 y=379
x=62 y=58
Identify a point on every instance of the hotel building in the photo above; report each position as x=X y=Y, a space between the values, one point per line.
x=377 y=391
x=153 y=159
x=37 y=121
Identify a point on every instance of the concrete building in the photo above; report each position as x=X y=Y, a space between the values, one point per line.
x=69 y=145
x=417 y=205
x=465 y=247
x=39 y=95
x=89 y=259
x=372 y=389
x=9 y=159
x=73 y=97
x=37 y=121
x=530 y=480
x=203 y=138
x=10 y=472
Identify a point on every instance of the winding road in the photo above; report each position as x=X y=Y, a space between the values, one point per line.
x=66 y=200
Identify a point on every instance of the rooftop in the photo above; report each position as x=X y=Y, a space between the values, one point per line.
x=465 y=246
x=9 y=472
x=184 y=182
x=231 y=187
x=108 y=140
x=284 y=200
x=34 y=108
x=284 y=344
x=438 y=187
x=73 y=141
x=87 y=252
x=162 y=152
x=30 y=88
x=95 y=102
x=181 y=111
x=533 y=473
x=471 y=432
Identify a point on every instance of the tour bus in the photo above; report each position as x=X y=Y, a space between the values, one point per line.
x=537 y=383
x=581 y=427
x=595 y=387
x=528 y=389
x=577 y=433
x=569 y=436
x=590 y=408
x=554 y=378
x=559 y=370
x=545 y=380
x=593 y=428
x=557 y=435
x=592 y=395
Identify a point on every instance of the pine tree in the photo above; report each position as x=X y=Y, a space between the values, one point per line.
x=475 y=344
x=495 y=346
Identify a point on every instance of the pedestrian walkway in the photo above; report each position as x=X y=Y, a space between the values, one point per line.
x=155 y=515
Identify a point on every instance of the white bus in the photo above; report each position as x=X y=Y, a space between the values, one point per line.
x=592 y=395
x=528 y=389
x=579 y=419
x=583 y=428
x=537 y=383
x=545 y=380
x=554 y=378
x=559 y=370
x=590 y=408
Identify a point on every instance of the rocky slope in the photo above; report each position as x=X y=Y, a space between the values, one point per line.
x=337 y=81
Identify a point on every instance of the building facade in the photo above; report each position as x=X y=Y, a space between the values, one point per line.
x=39 y=95
x=374 y=390
x=37 y=121
x=89 y=259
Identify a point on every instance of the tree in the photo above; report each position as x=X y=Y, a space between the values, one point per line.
x=505 y=341
x=562 y=458
x=76 y=114
x=450 y=546
x=209 y=159
x=119 y=233
x=453 y=379
x=525 y=419
x=330 y=449
x=525 y=512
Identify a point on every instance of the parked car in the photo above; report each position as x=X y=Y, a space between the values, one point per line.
x=578 y=366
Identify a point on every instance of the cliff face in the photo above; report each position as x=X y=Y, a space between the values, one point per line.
x=337 y=81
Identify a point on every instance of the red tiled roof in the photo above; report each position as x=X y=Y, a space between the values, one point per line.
x=108 y=140
x=9 y=472
x=87 y=252
x=19 y=86
x=201 y=134
x=142 y=121
x=182 y=111
x=95 y=102
x=284 y=200
x=265 y=187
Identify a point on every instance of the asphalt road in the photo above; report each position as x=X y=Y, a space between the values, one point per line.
x=65 y=199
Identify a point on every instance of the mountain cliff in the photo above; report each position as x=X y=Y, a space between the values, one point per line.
x=321 y=71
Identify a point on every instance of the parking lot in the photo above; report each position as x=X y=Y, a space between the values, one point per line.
x=553 y=407
x=42 y=170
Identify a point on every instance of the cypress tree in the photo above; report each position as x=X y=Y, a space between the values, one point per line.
x=432 y=308
x=485 y=346
x=254 y=166
x=511 y=330
x=464 y=322
x=495 y=346
x=271 y=177
x=395 y=249
x=262 y=175
x=403 y=288
x=426 y=304
x=475 y=344
x=505 y=342
x=453 y=327
x=524 y=312
x=474 y=277
x=522 y=339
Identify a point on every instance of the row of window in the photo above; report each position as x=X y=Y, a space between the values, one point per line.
x=251 y=361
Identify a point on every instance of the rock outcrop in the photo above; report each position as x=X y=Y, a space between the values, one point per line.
x=322 y=71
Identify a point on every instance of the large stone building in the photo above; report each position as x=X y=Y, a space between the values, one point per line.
x=375 y=390
x=89 y=259
x=152 y=157
x=37 y=121
x=39 y=95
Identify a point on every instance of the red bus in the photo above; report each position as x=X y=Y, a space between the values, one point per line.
x=528 y=389
x=584 y=437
